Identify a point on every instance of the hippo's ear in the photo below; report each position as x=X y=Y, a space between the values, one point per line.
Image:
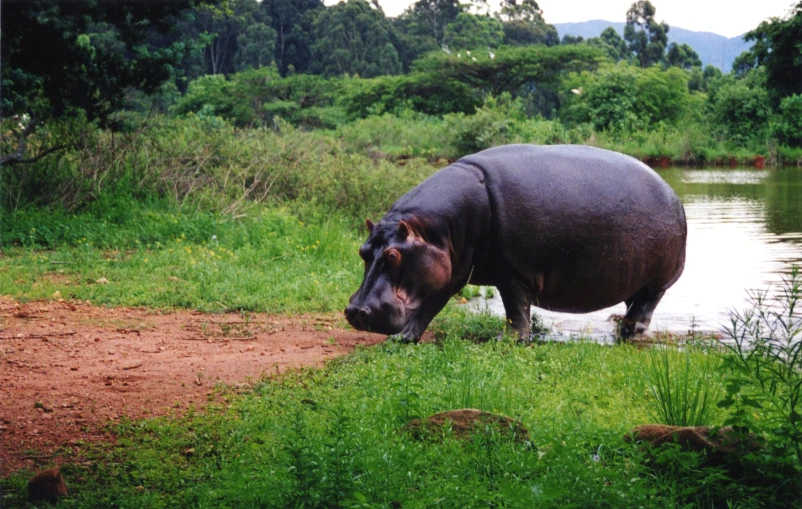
x=369 y=224
x=403 y=229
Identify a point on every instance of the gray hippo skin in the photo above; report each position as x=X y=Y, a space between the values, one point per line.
x=568 y=228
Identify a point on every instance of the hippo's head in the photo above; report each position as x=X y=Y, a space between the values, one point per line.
x=402 y=269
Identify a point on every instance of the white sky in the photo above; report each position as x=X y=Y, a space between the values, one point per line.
x=724 y=17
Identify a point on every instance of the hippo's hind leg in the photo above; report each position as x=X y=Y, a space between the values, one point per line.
x=639 y=312
x=517 y=304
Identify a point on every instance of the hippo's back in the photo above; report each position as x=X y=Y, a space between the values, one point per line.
x=595 y=225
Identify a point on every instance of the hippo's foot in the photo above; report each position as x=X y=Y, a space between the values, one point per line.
x=401 y=338
x=627 y=328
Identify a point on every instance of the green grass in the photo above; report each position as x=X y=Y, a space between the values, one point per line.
x=334 y=438
x=268 y=260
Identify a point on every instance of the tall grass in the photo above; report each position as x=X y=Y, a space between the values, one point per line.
x=683 y=386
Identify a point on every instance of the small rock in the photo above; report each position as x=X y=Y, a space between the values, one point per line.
x=47 y=485
x=97 y=340
x=102 y=281
x=56 y=294
x=132 y=364
x=74 y=368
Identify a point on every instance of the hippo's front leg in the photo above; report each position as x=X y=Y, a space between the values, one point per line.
x=517 y=305
x=413 y=330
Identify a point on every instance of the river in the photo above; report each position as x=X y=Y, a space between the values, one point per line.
x=744 y=233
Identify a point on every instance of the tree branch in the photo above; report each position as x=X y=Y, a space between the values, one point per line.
x=16 y=156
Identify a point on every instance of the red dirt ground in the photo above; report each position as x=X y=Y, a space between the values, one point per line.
x=68 y=368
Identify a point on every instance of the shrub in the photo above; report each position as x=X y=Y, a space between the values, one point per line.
x=499 y=121
x=789 y=126
x=765 y=366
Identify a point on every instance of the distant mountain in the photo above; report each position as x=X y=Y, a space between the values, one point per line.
x=712 y=48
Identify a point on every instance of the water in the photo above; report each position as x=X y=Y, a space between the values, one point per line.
x=744 y=233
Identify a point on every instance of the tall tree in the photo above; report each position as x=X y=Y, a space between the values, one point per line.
x=646 y=37
x=61 y=56
x=683 y=56
x=354 y=38
x=293 y=22
x=778 y=48
x=470 y=31
x=256 y=46
x=430 y=17
x=524 y=24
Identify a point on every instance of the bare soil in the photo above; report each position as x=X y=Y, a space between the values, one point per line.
x=68 y=368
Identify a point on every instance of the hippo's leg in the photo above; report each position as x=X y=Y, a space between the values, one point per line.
x=413 y=331
x=517 y=304
x=639 y=312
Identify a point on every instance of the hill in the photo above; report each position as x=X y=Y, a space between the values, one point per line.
x=712 y=48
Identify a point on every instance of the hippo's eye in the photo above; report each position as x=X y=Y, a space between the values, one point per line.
x=393 y=257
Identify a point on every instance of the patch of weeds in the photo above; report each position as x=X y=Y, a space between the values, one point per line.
x=764 y=383
x=683 y=386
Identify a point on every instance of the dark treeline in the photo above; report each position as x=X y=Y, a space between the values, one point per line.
x=468 y=76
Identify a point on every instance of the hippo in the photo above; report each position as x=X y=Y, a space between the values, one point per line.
x=568 y=228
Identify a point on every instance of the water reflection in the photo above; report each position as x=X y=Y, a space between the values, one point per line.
x=744 y=233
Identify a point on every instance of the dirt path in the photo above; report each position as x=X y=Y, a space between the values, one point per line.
x=67 y=368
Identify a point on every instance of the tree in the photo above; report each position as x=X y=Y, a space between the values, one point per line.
x=647 y=38
x=778 y=48
x=58 y=57
x=256 y=46
x=624 y=97
x=572 y=39
x=524 y=24
x=354 y=38
x=618 y=46
x=293 y=22
x=740 y=107
x=682 y=56
x=430 y=17
x=469 y=31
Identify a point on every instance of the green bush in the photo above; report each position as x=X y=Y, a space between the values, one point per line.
x=740 y=109
x=499 y=121
x=626 y=98
x=789 y=125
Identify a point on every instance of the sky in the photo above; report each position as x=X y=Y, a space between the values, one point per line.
x=724 y=17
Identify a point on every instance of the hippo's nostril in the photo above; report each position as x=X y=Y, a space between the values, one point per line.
x=357 y=315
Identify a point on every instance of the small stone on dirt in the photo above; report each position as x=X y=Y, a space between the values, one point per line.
x=56 y=294
x=132 y=364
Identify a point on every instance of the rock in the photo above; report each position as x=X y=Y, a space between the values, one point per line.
x=47 y=485
x=717 y=441
x=465 y=423
x=132 y=364
x=56 y=294
x=102 y=281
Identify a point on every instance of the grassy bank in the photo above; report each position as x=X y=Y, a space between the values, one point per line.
x=335 y=438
